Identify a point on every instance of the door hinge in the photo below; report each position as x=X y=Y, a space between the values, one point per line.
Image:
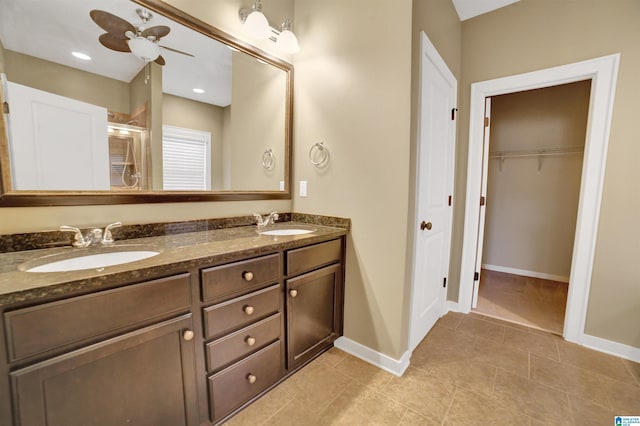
x=444 y=282
x=450 y=199
x=486 y=122
x=476 y=276
x=5 y=107
x=483 y=201
x=453 y=113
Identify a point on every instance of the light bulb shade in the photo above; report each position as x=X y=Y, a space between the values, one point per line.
x=287 y=42
x=144 y=49
x=256 y=26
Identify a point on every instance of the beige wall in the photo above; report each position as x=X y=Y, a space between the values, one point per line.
x=257 y=117
x=536 y=34
x=66 y=81
x=182 y=112
x=531 y=214
x=353 y=92
x=222 y=14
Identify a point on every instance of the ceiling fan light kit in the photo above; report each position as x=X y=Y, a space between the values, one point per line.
x=144 y=48
x=256 y=26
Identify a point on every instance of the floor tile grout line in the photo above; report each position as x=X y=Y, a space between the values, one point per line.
x=453 y=398
x=630 y=371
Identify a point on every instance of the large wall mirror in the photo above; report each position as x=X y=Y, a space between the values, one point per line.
x=208 y=119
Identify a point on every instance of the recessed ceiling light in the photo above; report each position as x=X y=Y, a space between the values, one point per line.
x=198 y=90
x=81 y=55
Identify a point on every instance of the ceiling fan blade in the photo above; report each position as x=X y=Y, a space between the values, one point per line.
x=112 y=24
x=112 y=42
x=157 y=32
x=160 y=60
x=177 y=51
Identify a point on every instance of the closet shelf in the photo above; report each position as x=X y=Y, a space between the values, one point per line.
x=538 y=153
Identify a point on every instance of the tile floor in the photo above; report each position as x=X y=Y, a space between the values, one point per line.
x=469 y=370
x=533 y=302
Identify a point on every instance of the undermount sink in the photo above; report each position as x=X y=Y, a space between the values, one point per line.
x=89 y=259
x=288 y=231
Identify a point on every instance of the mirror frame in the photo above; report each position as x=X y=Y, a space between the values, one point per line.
x=10 y=198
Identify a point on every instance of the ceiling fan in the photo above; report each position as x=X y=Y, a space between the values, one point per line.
x=123 y=36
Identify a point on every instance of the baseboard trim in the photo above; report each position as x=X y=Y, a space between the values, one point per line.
x=380 y=360
x=612 y=348
x=525 y=273
x=452 y=306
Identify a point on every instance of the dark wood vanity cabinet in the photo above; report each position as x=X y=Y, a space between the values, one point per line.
x=122 y=356
x=193 y=348
x=145 y=377
x=314 y=300
x=243 y=331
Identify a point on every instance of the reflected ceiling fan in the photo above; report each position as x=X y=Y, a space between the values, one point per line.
x=123 y=36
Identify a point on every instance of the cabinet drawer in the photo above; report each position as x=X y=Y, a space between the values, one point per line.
x=236 y=313
x=236 y=345
x=232 y=386
x=308 y=258
x=240 y=277
x=41 y=328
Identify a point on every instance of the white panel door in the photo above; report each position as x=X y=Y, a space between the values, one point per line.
x=56 y=143
x=483 y=200
x=436 y=143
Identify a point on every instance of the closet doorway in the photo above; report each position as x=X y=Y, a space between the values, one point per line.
x=603 y=73
x=535 y=150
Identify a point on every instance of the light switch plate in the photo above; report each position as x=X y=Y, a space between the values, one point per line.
x=281 y=185
x=303 y=188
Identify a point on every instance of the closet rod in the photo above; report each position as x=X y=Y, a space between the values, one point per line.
x=536 y=153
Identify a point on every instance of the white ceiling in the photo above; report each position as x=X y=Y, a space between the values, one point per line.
x=467 y=9
x=52 y=29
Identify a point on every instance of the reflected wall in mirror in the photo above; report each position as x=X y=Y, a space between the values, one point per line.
x=209 y=116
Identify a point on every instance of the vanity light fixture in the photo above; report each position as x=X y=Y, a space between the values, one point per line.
x=254 y=23
x=81 y=55
x=256 y=26
x=287 y=41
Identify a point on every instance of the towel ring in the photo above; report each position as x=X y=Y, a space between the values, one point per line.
x=319 y=154
x=268 y=160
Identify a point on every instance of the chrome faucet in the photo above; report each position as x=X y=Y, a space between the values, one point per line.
x=107 y=238
x=94 y=236
x=263 y=222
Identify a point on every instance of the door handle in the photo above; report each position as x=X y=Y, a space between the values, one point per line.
x=426 y=225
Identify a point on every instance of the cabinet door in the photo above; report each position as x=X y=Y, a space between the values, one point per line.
x=146 y=377
x=312 y=313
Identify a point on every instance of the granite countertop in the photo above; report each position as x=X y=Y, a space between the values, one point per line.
x=178 y=253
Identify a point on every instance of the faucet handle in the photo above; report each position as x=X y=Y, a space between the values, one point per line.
x=259 y=219
x=107 y=237
x=78 y=239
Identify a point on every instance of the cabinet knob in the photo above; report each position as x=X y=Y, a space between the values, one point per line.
x=247 y=275
x=251 y=378
x=248 y=309
x=188 y=335
x=293 y=293
x=250 y=340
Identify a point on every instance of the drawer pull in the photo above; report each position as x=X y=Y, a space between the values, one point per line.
x=247 y=275
x=293 y=293
x=250 y=340
x=188 y=335
x=248 y=310
x=251 y=378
